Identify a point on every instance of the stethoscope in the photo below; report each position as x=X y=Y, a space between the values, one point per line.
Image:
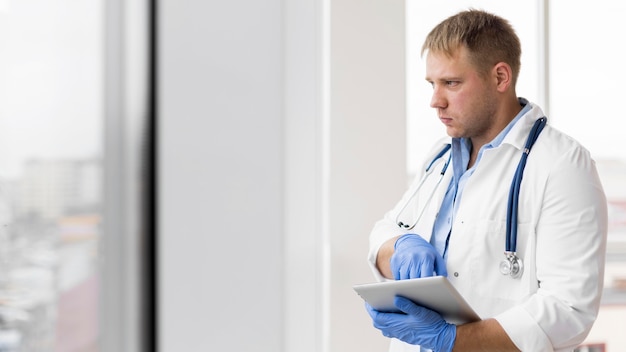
x=512 y=265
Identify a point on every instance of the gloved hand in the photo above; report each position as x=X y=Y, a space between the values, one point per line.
x=419 y=326
x=414 y=257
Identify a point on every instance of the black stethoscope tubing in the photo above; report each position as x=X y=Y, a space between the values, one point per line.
x=428 y=171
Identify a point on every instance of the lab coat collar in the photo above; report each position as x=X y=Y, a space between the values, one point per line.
x=519 y=132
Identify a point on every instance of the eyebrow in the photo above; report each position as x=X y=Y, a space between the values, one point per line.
x=444 y=79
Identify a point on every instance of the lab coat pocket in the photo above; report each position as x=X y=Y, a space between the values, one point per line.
x=500 y=291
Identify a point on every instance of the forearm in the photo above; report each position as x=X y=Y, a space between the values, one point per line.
x=384 y=256
x=484 y=335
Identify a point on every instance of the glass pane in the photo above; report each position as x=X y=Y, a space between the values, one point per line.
x=50 y=174
x=586 y=71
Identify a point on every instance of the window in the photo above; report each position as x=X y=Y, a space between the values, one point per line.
x=585 y=71
x=76 y=176
x=50 y=174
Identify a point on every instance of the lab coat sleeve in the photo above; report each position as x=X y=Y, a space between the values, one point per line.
x=387 y=228
x=383 y=230
x=570 y=256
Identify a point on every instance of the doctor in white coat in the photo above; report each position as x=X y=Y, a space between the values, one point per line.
x=472 y=63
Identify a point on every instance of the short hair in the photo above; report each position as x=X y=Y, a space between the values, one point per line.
x=489 y=39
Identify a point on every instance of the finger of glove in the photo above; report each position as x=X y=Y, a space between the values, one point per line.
x=427 y=268
x=408 y=240
x=419 y=265
x=413 y=249
x=402 y=266
x=371 y=311
x=413 y=262
x=424 y=314
x=431 y=263
x=408 y=270
x=407 y=306
x=382 y=320
x=396 y=266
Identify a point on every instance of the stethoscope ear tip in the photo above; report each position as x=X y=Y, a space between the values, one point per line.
x=403 y=225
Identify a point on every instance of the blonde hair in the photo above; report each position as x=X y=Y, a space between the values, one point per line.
x=489 y=39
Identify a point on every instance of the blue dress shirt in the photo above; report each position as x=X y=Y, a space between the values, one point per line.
x=461 y=148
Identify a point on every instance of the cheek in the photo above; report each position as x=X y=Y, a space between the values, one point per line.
x=463 y=99
x=462 y=103
x=475 y=103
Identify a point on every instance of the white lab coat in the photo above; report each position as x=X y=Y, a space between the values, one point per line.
x=561 y=239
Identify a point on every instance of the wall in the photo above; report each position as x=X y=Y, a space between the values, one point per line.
x=281 y=141
x=220 y=175
x=368 y=152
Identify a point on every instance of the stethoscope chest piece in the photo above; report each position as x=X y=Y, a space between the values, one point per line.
x=512 y=265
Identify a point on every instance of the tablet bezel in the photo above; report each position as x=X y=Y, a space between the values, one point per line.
x=435 y=292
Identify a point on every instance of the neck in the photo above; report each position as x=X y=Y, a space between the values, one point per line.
x=503 y=118
x=472 y=158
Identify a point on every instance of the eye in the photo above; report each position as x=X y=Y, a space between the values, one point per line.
x=452 y=83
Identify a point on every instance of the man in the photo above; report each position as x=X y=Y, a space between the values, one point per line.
x=472 y=63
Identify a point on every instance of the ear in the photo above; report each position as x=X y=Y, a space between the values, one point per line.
x=503 y=75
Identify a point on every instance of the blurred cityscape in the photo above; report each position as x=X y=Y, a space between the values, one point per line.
x=50 y=219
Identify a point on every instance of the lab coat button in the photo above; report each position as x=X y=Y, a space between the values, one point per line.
x=456 y=274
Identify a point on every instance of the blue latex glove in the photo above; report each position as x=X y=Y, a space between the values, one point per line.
x=414 y=257
x=419 y=326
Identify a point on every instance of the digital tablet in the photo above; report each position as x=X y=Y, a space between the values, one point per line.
x=435 y=292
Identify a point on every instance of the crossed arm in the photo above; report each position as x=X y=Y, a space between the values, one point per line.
x=484 y=335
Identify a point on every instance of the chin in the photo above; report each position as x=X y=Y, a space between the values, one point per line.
x=453 y=133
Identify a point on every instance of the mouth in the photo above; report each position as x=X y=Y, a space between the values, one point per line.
x=445 y=120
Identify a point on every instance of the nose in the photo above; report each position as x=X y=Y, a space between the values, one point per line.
x=438 y=100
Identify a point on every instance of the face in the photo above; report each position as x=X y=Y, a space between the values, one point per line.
x=465 y=100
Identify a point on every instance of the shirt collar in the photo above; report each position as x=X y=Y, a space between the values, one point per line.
x=500 y=137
